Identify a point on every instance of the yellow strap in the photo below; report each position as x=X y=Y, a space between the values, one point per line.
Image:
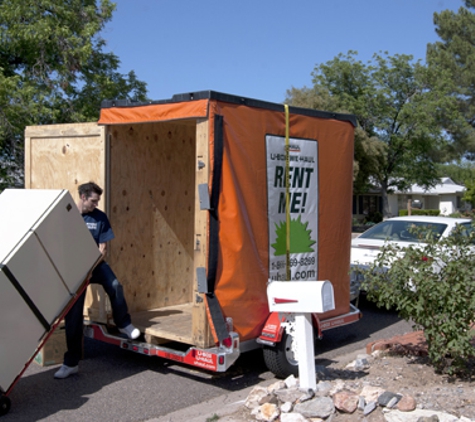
x=287 y=191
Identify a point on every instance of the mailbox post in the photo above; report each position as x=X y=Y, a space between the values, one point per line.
x=302 y=298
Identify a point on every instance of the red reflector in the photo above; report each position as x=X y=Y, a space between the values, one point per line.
x=125 y=346
x=221 y=360
x=146 y=351
x=279 y=300
x=227 y=342
x=135 y=348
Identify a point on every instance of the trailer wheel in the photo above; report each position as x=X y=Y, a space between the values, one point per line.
x=281 y=359
x=5 y=405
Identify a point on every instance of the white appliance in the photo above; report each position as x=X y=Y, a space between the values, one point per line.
x=46 y=252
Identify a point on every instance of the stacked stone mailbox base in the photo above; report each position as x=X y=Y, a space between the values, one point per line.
x=284 y=401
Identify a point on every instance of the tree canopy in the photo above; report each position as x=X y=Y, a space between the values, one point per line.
x=398 y=112
x=53 y=69
x=455 y=54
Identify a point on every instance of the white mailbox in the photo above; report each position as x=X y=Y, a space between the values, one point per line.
x=300 y=296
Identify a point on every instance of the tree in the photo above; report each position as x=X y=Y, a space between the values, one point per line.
x=396 y=111
x=455 y=54
x=53 y=70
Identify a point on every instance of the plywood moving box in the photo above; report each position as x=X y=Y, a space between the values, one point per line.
x=46 y=252
x=196 y=189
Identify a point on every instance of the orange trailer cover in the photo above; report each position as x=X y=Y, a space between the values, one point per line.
x=250 y=212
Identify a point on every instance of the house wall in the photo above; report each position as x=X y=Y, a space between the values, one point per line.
x=448 y=204
x=393 y=205
x=431 y=202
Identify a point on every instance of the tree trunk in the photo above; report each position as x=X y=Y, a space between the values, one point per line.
x=384 y=196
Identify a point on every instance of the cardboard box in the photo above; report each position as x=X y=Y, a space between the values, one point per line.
x=52 y=352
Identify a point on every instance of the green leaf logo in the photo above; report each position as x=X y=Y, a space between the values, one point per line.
x=300 y=240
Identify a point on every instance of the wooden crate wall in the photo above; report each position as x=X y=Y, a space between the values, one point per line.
x=152 y=200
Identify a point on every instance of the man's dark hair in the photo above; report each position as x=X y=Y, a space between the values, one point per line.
x=88 y=189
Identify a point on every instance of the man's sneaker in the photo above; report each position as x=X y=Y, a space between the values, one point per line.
x=130 y=331
x=65 y=371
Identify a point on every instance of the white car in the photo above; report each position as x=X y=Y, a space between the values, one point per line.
x=366 y=247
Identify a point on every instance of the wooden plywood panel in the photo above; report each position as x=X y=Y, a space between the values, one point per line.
x=63 y=157
x=55 y=156
x=152 y=207
x=202 y=336
x=170 y=323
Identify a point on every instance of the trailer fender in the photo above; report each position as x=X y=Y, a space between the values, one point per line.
x=274 y=327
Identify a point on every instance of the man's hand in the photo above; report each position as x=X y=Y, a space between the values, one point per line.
x=103 y=251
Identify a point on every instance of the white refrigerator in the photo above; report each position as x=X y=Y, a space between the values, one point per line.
x=46 y=252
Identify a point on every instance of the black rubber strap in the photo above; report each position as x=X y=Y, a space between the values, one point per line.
x=214 y=202
x=25 y=297
x=217 y=316
x=213 y=304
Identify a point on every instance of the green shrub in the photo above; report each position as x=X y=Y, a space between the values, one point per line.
x=432 y=286
x=419 y=212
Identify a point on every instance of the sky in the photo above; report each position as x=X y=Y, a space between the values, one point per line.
x=259 y=48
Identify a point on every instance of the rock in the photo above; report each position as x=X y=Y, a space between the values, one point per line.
x=255 y=396
x=361 y=403
x=323 y=387
x=319 y=407
x=433 y=418
x=407 y=404
x=392 y=402
x=288 y=394
x=371 y=393
x=369 y=408
x=307 y=395
x=268 y=412
x=278 y=385
x=286 y=407
x=270 y=398
x=292 y=417
x=339 y=385
x=345 y=401
x=398 y=416
x=358 y=364
x=386 y=397
x=291 y=382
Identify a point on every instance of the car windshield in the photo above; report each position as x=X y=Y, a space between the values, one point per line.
x=404 y=231
x=464 y=230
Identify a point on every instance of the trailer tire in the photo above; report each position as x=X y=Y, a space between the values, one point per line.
x=280 y=359
x=5 y=405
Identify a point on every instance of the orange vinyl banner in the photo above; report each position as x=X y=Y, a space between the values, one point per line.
x=154 y=112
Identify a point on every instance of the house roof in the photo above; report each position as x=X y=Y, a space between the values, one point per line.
x=445 y=187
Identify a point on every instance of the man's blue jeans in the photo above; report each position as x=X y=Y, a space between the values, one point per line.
x=104 y=276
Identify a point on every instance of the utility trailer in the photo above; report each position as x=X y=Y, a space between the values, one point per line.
x=197 y=193
x=46 y=253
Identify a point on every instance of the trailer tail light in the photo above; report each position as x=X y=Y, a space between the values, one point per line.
x=125 y=346
x=135 y=348
x=221 y=359
x=228 y=342
x=146 y=351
